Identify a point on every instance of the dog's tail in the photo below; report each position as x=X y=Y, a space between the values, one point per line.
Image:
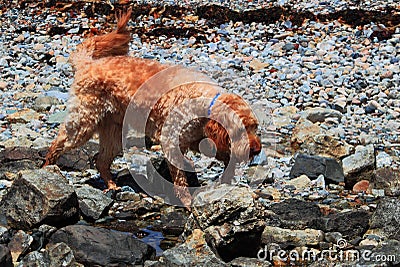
x=115 y=43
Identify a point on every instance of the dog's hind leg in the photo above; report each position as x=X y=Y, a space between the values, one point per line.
x=110 y=133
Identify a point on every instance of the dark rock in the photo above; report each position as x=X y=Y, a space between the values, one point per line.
x=104 y=247
x=92 y=202
x=79 y=159
x=173 y=223
x=5 y=257
x=350 y=223
x=40 y=197
x=295 y=213
x=388 y=180
x=230 y=220
x=194 y=252
x=313 y=166
x=385 y=221
x=321 y=114
x=61 y=255
x=388 y=250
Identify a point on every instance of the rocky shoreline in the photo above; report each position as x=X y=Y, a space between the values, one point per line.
x=324 y=80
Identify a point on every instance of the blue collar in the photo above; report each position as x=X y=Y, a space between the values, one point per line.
x=212 y=103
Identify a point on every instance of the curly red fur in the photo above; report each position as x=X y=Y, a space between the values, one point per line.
x=106 y=79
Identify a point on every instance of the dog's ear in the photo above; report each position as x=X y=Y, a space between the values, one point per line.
x=217 y=133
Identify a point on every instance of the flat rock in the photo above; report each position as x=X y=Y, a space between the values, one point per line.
x=314 y=166
x=19 y=243
x=40 y=197
x=289 y=237
x=5 y=257
x=194 y=252
x=93 y=203
x=386 y=219
x=300 y=182
x=249 y=262
x=98 y=246
x=296 y=213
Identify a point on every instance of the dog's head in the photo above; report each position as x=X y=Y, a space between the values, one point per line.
x=234 y=129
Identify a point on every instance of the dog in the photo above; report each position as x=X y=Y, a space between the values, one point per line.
x=105 y=83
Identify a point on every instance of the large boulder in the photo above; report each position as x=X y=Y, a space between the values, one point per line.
x=41 y=196
x=230 y=219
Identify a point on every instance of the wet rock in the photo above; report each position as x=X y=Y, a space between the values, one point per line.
x=388 y=180
x=5 y=257
x=229 y=218
x=349 y=223
x=321 y=114
x=194 y=252
x=363 y=160
x=93 y=203
x=386 y=219
x=289 y=237
x=295 y=213
x=40 y=197
x=104 y=247
x=313 y=166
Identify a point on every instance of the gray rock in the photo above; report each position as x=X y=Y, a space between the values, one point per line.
x=295 y=213
x=92 y=202
x=97 y=246
x=5 y=257
x=79 y=159
x=321 y=114
x=363 y=159
x=390 y=250
x=313 y=166
x=361 y=162
x=40 y=197
x=289 y=237
x=386 y=219
x=194 y=252
x=44 y=103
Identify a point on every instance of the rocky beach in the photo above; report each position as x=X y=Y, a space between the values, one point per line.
x=323 y=78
